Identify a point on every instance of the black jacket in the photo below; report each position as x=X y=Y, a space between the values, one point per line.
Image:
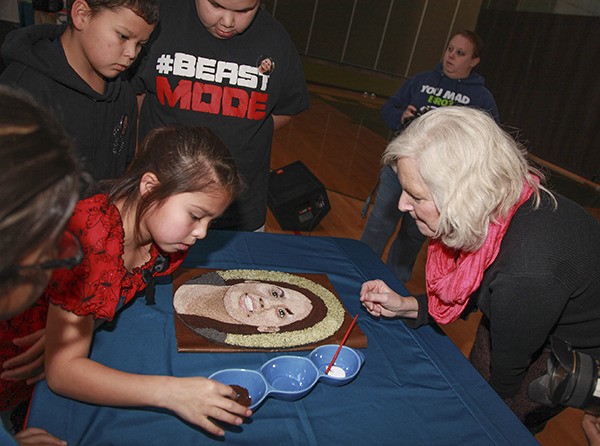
x=544 y=282
x=103 y=126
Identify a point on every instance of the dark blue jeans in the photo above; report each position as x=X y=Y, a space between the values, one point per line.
x=382 y=223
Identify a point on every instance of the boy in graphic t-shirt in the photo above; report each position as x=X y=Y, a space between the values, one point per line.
x=206 y=66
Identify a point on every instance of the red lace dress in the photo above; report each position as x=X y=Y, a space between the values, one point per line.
x=98 y=286
x=33 y=319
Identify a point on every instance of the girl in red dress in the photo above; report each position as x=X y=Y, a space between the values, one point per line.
x=181 y=179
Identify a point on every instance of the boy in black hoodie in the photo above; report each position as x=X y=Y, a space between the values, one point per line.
x=76 y=72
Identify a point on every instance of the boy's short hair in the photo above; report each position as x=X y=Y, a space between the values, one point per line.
x=146 y=9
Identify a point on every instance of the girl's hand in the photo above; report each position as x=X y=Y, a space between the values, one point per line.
x=201 y=401
x=34 y=436
x=28 y=365
x=380 y=300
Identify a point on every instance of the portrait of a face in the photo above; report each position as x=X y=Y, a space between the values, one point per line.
x=258 y=309
x=266 y=306
x=265 y=65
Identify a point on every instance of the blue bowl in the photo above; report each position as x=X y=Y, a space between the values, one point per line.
x=250 y=379
x=346 y=366
x=290 y=377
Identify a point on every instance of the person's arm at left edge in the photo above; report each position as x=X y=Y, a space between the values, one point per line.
x=28 y=365
x=280 y=120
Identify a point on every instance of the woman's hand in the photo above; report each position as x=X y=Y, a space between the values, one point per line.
x=380 y=300
x=28 y=365
x=34 y=436
x=201 y=401
x=591 y=428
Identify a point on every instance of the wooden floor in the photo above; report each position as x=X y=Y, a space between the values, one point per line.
x=343 y=152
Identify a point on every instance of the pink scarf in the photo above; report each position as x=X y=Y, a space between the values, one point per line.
x=453 y=275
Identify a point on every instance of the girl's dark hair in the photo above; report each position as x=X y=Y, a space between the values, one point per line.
x=184 y=159
x=475 y=40
x=146 y=9
x=39 y=180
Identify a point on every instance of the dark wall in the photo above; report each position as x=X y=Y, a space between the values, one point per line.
x=395 y=37
x=543 y=72
x=541 y=68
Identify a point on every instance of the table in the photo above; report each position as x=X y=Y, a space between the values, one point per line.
x=415 y=387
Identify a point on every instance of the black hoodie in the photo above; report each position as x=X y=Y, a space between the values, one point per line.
x=102 y=125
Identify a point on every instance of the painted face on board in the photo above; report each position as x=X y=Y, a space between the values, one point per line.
x=109 y=41
x=459 y=58
x=416 y=198
x=225 y=19
x=266 y=306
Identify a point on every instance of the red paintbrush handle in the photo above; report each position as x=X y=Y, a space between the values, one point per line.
x=337 y=352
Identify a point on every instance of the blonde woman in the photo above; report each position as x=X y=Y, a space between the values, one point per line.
x=500 y=241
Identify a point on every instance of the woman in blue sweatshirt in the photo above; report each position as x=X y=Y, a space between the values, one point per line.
x=451 y=83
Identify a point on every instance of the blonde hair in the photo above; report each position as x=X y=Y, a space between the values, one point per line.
x=474 y=170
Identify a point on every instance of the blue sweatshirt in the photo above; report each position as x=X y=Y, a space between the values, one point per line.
x=432 y=89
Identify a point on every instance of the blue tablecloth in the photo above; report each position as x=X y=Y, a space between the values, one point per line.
x=415 y=387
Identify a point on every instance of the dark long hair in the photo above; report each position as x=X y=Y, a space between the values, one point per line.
x=184 y=159
x=39 y=180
